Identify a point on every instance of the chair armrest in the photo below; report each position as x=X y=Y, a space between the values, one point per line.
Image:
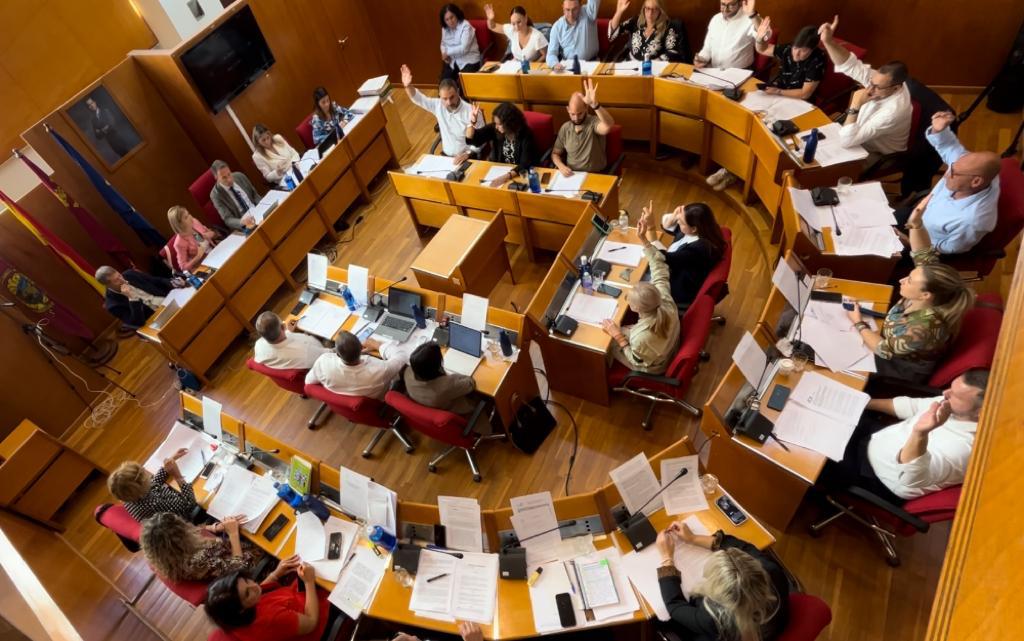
x=478 y=411
x=881 y=503
x=614 y=168
x=664 y=380
x=545 y=160
x=437 y=143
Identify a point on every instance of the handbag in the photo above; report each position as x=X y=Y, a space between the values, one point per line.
x=531 y=424
x=784 y=128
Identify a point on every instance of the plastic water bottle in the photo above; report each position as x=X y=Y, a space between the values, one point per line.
x=586 y=278
x=645 y=68
x=380 y=536
x=534 y=180
x=289 y=183
x=811 y=147
x=576 y=69
x=288 y=495
x=524 y=66
x=419 y=316
x=350 y=300
x=506 y=342
x=192 y=279
x=623 y=220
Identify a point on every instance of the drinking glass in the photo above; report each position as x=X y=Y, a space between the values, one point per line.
x=709 y=483
x=823 y=278
x=799 y=362
x=844 y=185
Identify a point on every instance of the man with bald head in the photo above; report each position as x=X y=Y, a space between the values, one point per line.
x=580 y=145
x=963 y=205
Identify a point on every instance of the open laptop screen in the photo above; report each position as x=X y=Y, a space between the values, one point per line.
x=401 y=301
x=464 y=339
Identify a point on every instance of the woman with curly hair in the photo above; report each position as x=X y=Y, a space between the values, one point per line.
x=180 y=551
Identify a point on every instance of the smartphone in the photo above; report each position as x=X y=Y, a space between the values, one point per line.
x=864 y=311
x=761 y=86
x=605 y=288
x=334 y=546
x=778 y=398
x=276 y=527
x=207 y=470
x=731 y=510
x=566 y=615
x=827 y=297
x=545 y=179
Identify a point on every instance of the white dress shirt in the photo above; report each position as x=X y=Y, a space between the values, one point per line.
x=534 y=43
x=150 y=300
x=371 y=377
x=271 y=161
x=729 y=43
x=296 y=351
x=460 y=44
x=944 y=464
x=883 y=126
x=452 y=124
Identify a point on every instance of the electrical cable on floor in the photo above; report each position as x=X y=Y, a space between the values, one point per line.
x=575 y=428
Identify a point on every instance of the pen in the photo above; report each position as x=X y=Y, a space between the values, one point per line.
x=615 y=250
x=435 y=578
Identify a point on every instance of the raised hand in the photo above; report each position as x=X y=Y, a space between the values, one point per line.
x=764 y=30
x=934 y=417
x=917 y=215
x=828 y=29
x=590 y=93
x=489 y=12
x=474 y=112
x=941 y=120
x=622 y=6
x=748 y=7
x=406 y=75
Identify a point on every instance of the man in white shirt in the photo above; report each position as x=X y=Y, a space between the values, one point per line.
x=879 y=115
x=729 y=42
x=348 y=371
x=926 y=451
x=281 y=347
x=453 y=116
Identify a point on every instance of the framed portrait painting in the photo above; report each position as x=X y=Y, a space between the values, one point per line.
x=105 y=126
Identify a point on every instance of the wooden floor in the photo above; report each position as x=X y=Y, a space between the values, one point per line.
x=868 y=599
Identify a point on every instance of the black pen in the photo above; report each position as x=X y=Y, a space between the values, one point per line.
x=615 y=250
x=776 y=439
x=435 y=578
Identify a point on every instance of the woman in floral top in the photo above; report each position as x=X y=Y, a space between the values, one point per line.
x=918 y=329
x=328 y=116
x=650 y=33
x=180 y=551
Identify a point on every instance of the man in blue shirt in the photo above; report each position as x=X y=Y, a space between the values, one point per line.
x=963 y=205
x=574 y=34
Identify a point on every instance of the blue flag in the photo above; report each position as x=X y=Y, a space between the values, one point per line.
x=149 y=235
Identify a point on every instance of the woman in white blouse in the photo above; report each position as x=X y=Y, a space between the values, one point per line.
x=525 y=41
x=459 y=49
x=273 y=155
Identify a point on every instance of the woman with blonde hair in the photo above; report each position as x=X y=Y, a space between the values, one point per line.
x=744 y=595
x=192 y=239
x=145 y=494
x=272 y=154
x=650 y=344
x=917 y=330
x=651 y=34
x=180 y=551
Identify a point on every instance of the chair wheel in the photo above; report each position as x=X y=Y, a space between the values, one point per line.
x=410 y=450
x=720 y=321
x=310 y=426
x=814 y=532
x=366 y=455
x=704 y=356
x=432 y=468
x=893 y=562
x=477 y=478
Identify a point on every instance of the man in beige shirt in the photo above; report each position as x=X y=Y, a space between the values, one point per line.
x=281 y=347
x=580 y=145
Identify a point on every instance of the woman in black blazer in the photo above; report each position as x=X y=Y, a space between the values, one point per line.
x=511 y=140
x=696 y=248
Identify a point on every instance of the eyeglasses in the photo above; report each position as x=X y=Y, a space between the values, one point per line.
x=953 y=172
x=872 y=85
x=730 y=5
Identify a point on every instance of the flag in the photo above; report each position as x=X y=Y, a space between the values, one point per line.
x=33 y=302
x=58 y=246
x=149 y=235
x=103 y=237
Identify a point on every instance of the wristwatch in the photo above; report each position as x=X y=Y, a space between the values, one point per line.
x=754 y=15
x=853 y=111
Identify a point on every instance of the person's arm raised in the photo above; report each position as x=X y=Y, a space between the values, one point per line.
x=837 y=52
x=494 y=26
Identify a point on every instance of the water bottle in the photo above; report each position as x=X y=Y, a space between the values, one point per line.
x=350 y=300
x=288 y=495
x=419 y=316
x=811 y=147
x=192 y=279
x=380 y=536
x=623 y=220
x=524 y=66
x=534 y=180
x=586 y=278
x=576 y=69
x=506 y=342
x=645 y=68
x=289 y=183
x=297 y=172
x=316 y=506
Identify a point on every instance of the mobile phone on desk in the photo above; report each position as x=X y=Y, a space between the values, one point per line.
x=607 y=289
x=761 y=86
x=334 y=546
x=566 y=614
x=731 y=510
x=848 y=306
x=827 y=297
x=780 y=394
x=276 y=527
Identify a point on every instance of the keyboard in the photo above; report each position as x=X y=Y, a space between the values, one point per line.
x=398 y=323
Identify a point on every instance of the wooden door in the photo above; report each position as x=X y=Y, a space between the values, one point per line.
x=355 y=39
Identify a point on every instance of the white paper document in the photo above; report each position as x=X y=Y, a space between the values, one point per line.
x=183 y=436
x=536 y=526
x=270 y=200
x=510 y=67
x=553 y=581
x=627 y=602
x=245 y=493
x=493 y=173
x=830 y=151
x=585 y=308
x=353 y=493
x=374 y=86
x=310 y=537
x=796 y=292
x=223 y=251
x=839 y=349
x=476 y=588
x=461 y=520
x=567 y=187
x=777 y=107
x=323 y=319
x=358 y=581
x=179 y=295
x=806 y=428
x=432 y=166
x=211 y=417
x=316 y=271
x=628 y=254
x=637 y=485
x=330 y=569
x=867 y=241
x=435 y=579
x=594 y=578
x=720 y=78
x=474 y=312
x=685 y=494
x=831 y=398
x=358 y=282
x=381 y=505
x=750 y=359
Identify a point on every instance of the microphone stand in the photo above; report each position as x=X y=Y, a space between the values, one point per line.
x=637 y=527
x=732 y=92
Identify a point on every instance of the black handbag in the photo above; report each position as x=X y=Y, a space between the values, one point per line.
x=531 y=424
x=784 y=128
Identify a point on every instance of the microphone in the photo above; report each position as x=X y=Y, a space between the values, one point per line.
x=373 y=311
x=548 y=191
x=433 y=171
x=835 y=221
x=732 y=93
x=439 y=550
x=637 y=527
x=512 y=556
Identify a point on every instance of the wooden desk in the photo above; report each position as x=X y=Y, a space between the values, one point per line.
x=466 y=255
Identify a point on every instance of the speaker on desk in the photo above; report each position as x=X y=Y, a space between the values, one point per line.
x=753 y=424
x=512 y=563
x=407 y=557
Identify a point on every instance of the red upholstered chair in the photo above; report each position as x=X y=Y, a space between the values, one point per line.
x=983 y=256
x=362 y=410
x=602 y=38
x=341 y=628
x=293 y=380
x=614 y=151
x=116 y=518
x=891 y=164
x=455 y=431
x=763 y=64
x=169 y=256
x=671 y=386
x=808 y=616
x=716 y=285
x=305 y=131
x=542 y=126
x=834 y=87
x=484 y=39
x=200 y=190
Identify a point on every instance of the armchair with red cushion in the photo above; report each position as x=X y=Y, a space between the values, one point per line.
x=304 y=130
x=292 y=380
x=200 y=190
x=716 y=285
x=363 y=411
x=484 y=39
x=542 y=126
x=614 y=151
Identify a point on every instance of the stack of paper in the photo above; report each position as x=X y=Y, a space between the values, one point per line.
x=432 y=166
x=181 y=436
x=533 y=519
x=493 y=173
x=375 y=86
x=223 y=251
x=461 y=520
x=566 y=187
x=685 y=494
x=720 y=78
x=448 y=588
x=821 y=415
x=628 y=254
x=363 y=499
x=637 y=485
x=585 y=308
x=180 y=295
x=359 y=580
x=323 y=319
x=867 y=241
x=512 y=66
x=313 y=540
x=244 y=493
x=777 y=107
x=863 y=205
x=839 y=348
x=830 y=151
x=797 y=292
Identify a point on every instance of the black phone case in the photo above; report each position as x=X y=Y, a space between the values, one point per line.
x=778 y=398
x=334 y=547
x=275 y=527
x=730 y=509
x=614 y=292
x=827 y=297
x=566 y=615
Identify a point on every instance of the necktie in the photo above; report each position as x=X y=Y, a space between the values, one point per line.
x=243 y=203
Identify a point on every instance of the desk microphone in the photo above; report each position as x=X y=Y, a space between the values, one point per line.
x=732 y=92
x=433 y=171
x=512 y=556
x=373 y=312
x=439 y=550
x=637 y=527
x=835 y=221
x=548 y=191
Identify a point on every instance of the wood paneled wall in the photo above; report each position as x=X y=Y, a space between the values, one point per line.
x=945 y=42
x=49 y=49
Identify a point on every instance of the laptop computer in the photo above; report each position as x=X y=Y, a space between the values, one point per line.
x=328 y=142
x=464 y=352
x=398 y=323
x=165 y=315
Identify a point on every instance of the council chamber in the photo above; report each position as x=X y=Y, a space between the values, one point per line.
x=582 y=319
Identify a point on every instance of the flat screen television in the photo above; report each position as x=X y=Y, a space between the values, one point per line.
x=229 y=59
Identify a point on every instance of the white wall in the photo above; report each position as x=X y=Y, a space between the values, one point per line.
x=172 y=21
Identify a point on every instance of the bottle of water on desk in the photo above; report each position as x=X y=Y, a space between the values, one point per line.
x=811 y=146
x=576 y=69
x=524 y=66
x=350 y=300
x=534 y=179
x=192 y=279
x=379 y=536
x=645 y=68
x=623 y=219
x=586 y=277
x=289 y=182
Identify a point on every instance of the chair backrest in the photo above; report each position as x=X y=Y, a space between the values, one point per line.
x=116 y=518
x=292 y=380
x=304 y=130
x=834 y=85
x=808 y=616
x=716 y=285
x=1010 y=220
x=438 y=424
x=169 y=255
x=602 y=37
x=762 y=63
x=975 y=346
x=358 y=409
x=613 y=147
x=220 y=635
x=200 y=190
x=542 y=126
x=193 y=592
x=913 y=135
x=693 y=330
x=484 y=38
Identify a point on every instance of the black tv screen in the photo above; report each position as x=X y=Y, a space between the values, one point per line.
x=228 y=60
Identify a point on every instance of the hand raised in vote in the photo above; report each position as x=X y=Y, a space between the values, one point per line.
x=406 y=75
x=941 y=120
x=854 y=314
x=474 y=112
x=764 y=30
x=749 y=7
x=489 y=12
x=621 y=6
x=590 y=93
x=470 y=631
x=916 y=217
x=828 y=29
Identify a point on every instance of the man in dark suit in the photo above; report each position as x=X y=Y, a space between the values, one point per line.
x=104 y=127
x=233 y=196
x=133 y=296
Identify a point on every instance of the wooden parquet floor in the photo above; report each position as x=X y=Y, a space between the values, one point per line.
x=869 y=600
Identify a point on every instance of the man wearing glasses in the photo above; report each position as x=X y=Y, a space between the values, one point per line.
x=729 y=42
x=879 y=115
